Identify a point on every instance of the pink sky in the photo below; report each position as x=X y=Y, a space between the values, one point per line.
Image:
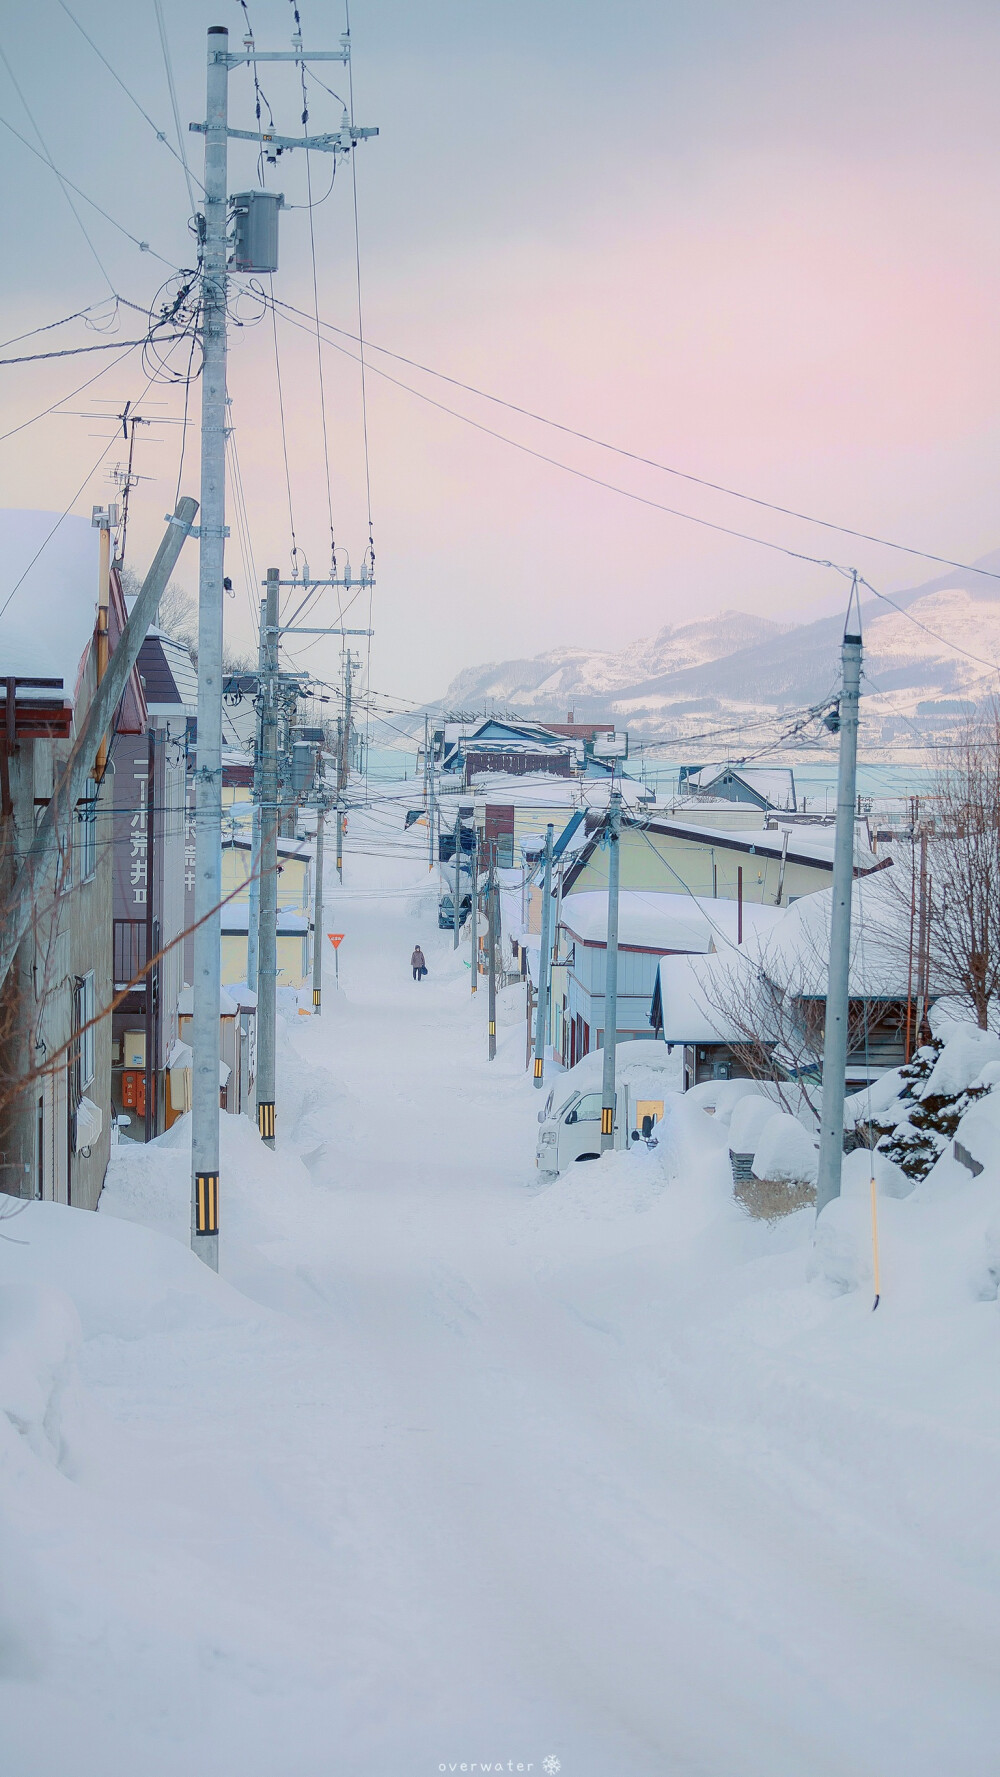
x=757 y=243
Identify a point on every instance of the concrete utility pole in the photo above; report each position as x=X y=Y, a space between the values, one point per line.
x=474 y=915
x=611 y=975
x=431 y=811
x=494 y=895
x=208 y=776
x=267 y=964
x=253 y=922
x=318 y=907
x=831 y=1140
x=458 y=873
x=208 y=810
x=542 y=1010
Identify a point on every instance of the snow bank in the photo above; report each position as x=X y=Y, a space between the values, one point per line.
x=785 y=1153
x=750 y=1116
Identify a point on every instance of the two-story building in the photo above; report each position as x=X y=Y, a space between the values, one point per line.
x=55 y=1074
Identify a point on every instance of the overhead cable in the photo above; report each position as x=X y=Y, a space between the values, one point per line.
x=651 y=462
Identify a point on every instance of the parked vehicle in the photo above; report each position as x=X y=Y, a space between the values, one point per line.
x=446 y=911
x=570 y=1120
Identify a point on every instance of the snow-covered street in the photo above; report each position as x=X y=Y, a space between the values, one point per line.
x=448 y=1471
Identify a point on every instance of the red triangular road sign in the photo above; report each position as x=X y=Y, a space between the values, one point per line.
x=336 y=939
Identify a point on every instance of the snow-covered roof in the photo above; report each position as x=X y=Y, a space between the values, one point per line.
x=48 y=624
x=813 y=845
x=796 y=953
x=287 y=848
x=236 y=918
x=185 y=1002
x=686 y=992
x=774 y=784
x=652 y=921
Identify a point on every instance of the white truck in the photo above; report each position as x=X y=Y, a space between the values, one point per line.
x=569 y=1123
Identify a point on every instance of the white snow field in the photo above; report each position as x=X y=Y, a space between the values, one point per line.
x=449 y=1472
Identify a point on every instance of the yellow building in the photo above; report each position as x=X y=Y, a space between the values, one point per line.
x=295 y=857
x=663 y=857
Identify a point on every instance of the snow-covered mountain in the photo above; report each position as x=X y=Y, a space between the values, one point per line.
x=570 y=676
x=928 y=656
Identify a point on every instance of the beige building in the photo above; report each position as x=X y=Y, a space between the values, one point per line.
x=662 y=857
x=55 y=1065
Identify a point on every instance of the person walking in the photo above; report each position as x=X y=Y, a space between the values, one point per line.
x=417 y=963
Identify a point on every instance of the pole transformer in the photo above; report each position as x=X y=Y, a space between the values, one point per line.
x=542 y=1009
x=835 y=1036
x=611 y=975
x=208 y=777
x=267 y=962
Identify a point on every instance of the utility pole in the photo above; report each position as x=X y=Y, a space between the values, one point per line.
x=474 y=915
x=318 y=907
x=542 y=1010
x=494 y=895
x=253 y=921
x=431 y=811
x=611 y=975
x=267 y=965
x=208 y=777
x=208 y=809
x=831 y=1139
x=458 y=873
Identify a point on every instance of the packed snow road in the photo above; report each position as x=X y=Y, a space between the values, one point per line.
x=450 y=1472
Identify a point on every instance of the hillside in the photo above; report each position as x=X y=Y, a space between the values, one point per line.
x=924 y=663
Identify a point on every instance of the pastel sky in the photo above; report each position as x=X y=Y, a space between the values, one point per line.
x=756 y=241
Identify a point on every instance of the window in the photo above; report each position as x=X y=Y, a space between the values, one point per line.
x=86 y=814
x=589 y=1108
x=86 y=1008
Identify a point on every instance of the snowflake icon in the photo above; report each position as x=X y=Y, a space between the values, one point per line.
x=551 y=1765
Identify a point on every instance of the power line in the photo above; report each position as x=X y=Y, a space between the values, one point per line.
x=581 y=474
x=319 y=344
x=46 y=159
x=47 y=156
x=647 y=462
x=954 y=646
x=73 y=392
x=129 y=94
x=168 y=69
x=88 y=477
x=49 y=325
x=110 y=345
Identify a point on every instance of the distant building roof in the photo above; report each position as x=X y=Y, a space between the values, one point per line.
x=170 y=680
x=772 y=786
x=665 y=922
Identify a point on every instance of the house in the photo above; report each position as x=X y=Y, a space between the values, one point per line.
x=293 y=949
x=687 y=1013
x=153 y=895
x=768 y=788
x=237 y=1051
x=55 y=1090
x=650 y=927
x=771 y=996
x=295 y=864
x=662 y=856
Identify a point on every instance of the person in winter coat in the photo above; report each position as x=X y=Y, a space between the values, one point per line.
x=417 y=963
